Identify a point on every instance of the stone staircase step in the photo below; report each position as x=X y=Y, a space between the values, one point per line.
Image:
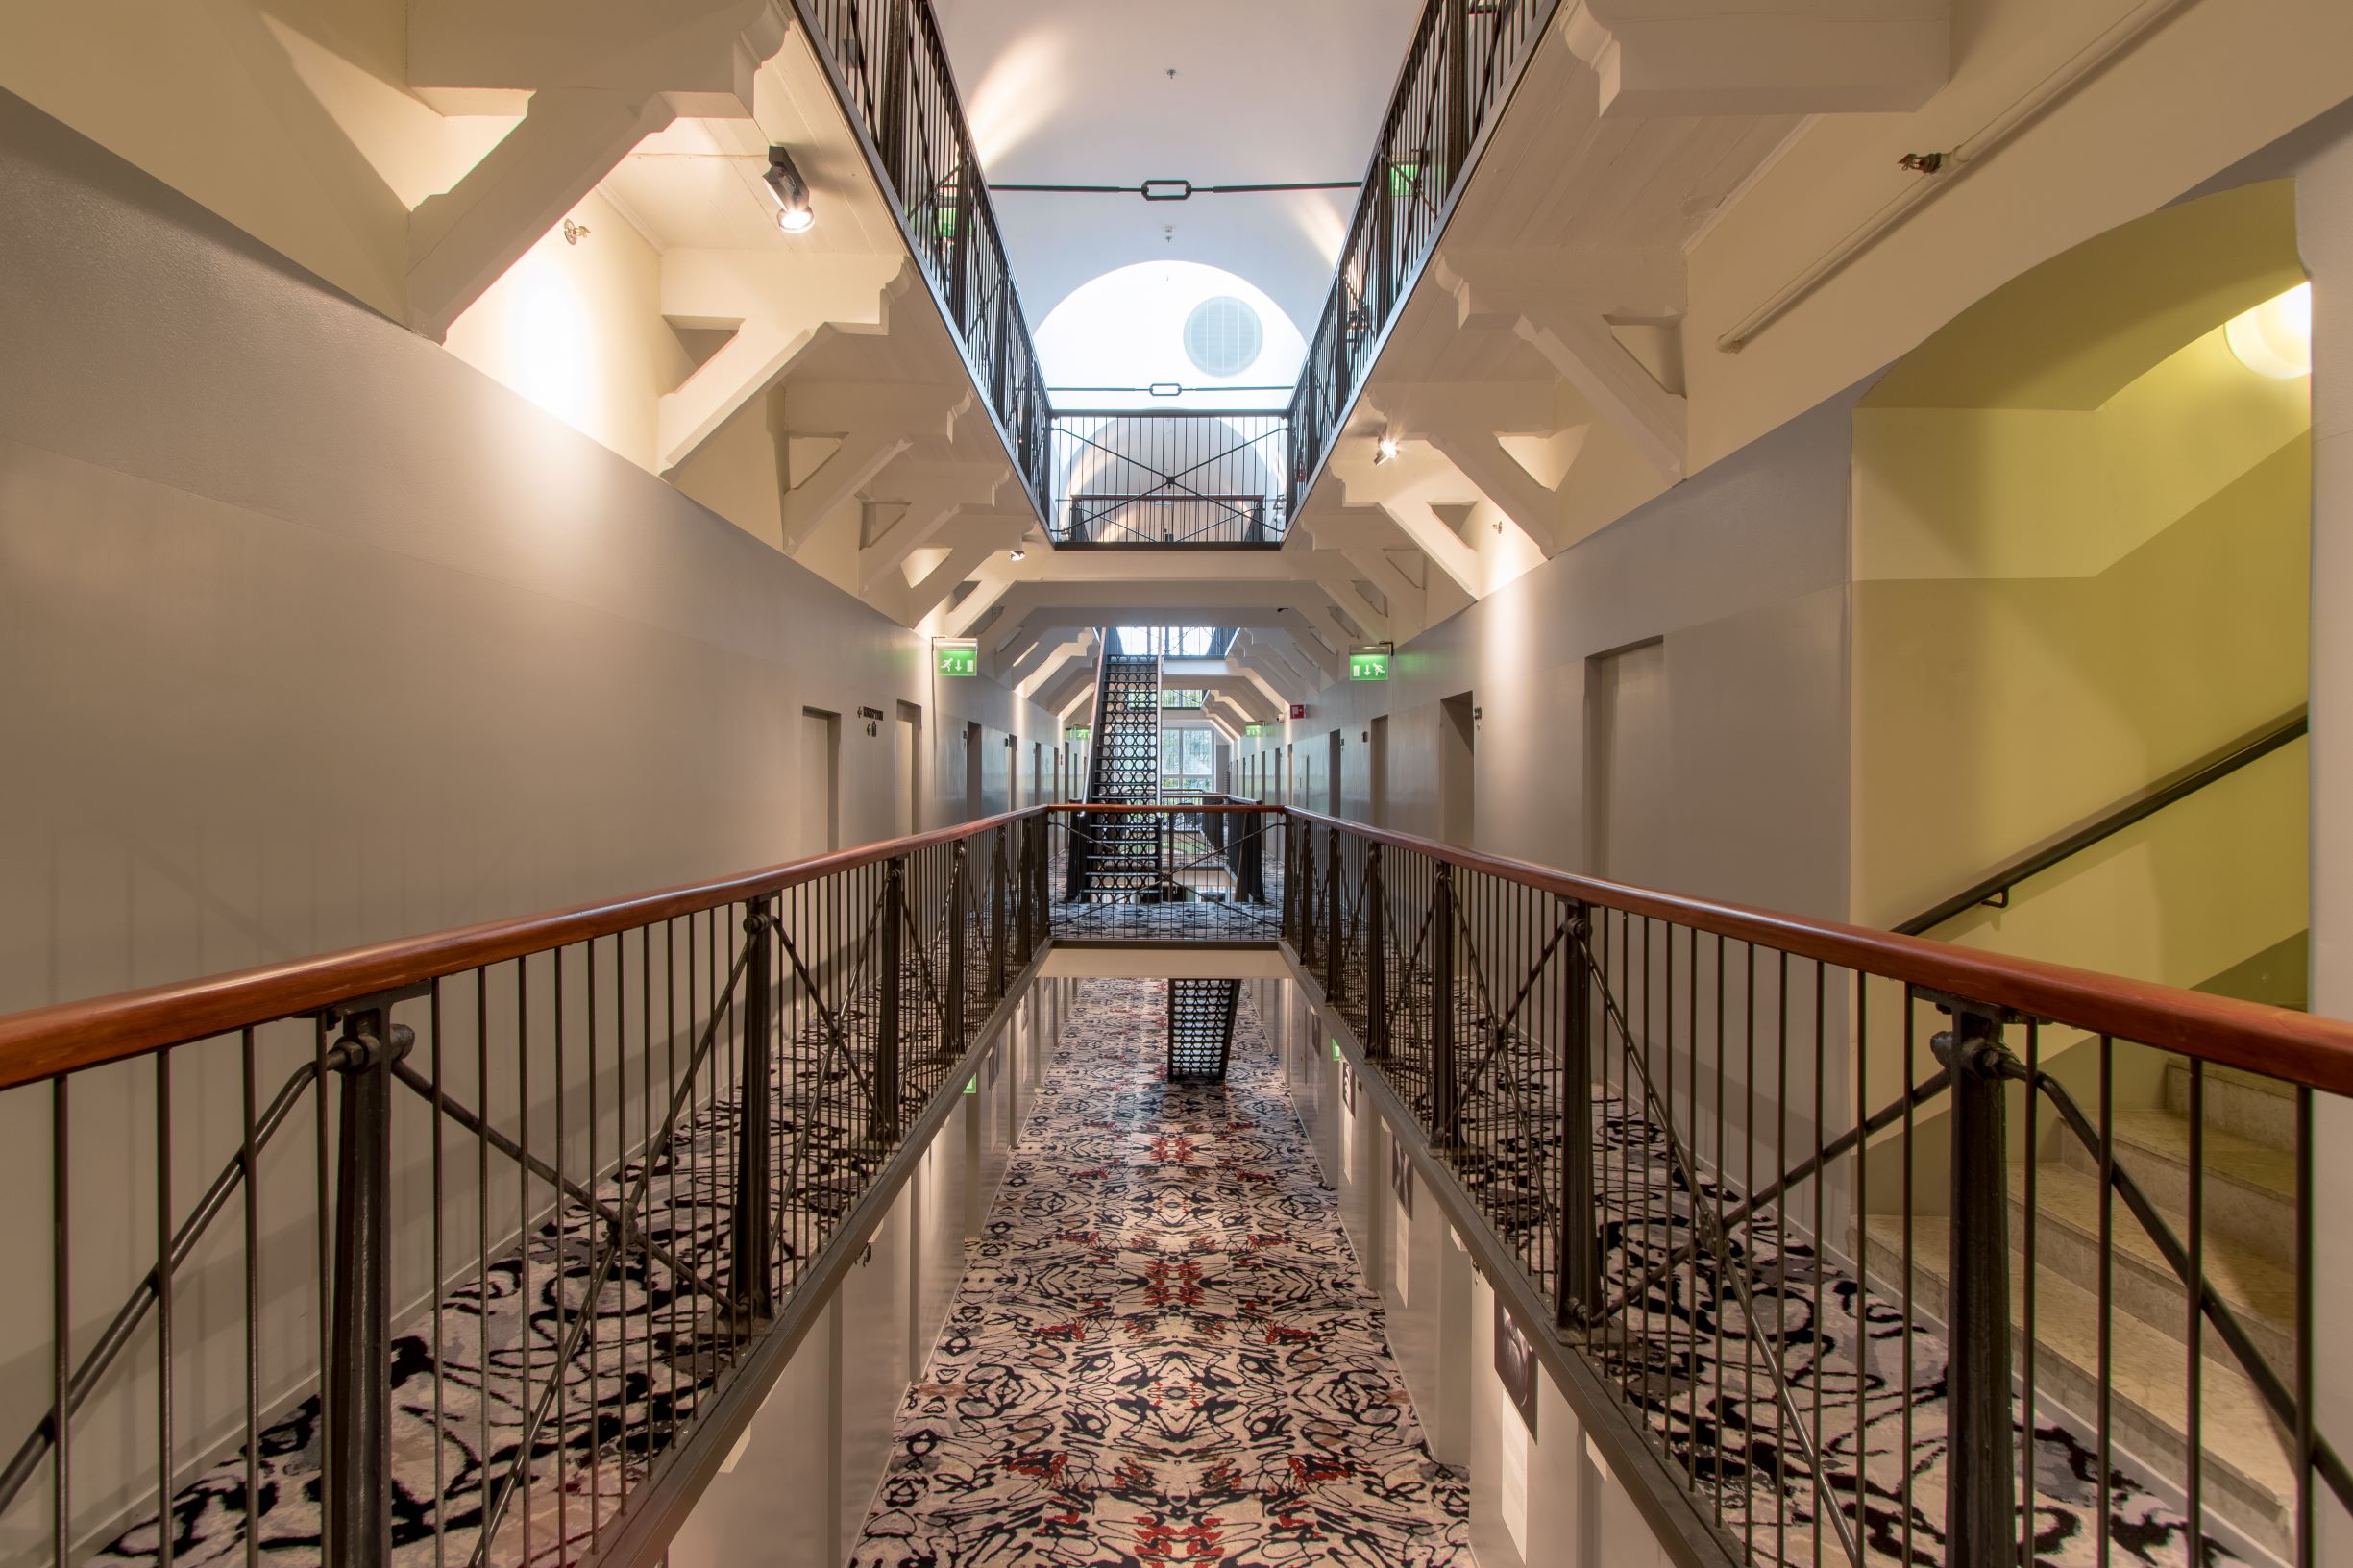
x=2250 y=1189
x=2250 y=1479
x=2260 y=1291
x=2256 y=1108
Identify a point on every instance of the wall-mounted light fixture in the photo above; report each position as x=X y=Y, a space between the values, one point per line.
x=1385 y=450
x=2274 y=338
x=1019 y=555
x=794 y=214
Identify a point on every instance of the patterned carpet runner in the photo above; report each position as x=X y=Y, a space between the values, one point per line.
x=1164 y=1351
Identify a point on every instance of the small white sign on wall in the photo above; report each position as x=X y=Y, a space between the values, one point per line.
x=1401 y=1246
x=1512 y=1474
x=1348 y=1124
x=1401 y=1256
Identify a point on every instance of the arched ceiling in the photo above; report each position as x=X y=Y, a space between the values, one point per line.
x=2074 y=331
x=1079 y=92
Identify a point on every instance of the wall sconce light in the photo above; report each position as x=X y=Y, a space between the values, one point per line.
x=1019 y=555
x=2274 y=338
x=1385 y=450
x=794 y=214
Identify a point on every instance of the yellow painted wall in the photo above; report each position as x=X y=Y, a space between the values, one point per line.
x=2056 y=605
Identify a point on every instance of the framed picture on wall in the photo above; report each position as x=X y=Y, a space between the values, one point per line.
x=1516 y=1365
x=1400 y=1177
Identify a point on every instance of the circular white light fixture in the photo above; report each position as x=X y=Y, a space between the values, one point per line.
x=2274 y=339
x=797 y=220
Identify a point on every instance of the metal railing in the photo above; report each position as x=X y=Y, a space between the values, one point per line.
x=1465 y=58
x=1868 y=1240
x=1883 y=1246
x=453 y=1247
x=893 y=76
x=1177 y=477
x=1202 y=868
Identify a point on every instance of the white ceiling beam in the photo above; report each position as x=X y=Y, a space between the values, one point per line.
x=600 y=75
x=1080 y=648
x=1321 y=644
x=1288 y=684
x=1337 y=577
x=1481 y=460
x=464 y=239
x=1226 y=722
x=780 y=306
x=1043 y=656
x=994 y=579
x=1561 y=305
x=704 y=51
x=1661 y=59
x=970 y=543
x=835 y=482
x=1580 y=344
x=928 y=494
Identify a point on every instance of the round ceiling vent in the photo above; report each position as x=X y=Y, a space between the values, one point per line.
x=1222 y=337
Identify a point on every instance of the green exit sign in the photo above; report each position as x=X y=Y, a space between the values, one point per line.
x=956 y=659
x=1368 y=664
x=1255 y=731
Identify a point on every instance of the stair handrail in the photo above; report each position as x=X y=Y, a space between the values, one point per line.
x=2174 y=787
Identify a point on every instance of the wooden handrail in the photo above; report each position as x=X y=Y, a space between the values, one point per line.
x=49 y=1040
x=1235 y=808
x=2277 y=1043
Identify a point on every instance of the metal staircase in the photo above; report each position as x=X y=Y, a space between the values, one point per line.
x=1201 y=1028
x=1116 y=857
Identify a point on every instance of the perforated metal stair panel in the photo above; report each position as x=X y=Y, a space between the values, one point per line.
x=1201 y=1027
x=1121 y=858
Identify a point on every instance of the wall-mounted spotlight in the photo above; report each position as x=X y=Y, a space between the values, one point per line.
x=1385 y=450
x=1018 y=555
x=794 y=214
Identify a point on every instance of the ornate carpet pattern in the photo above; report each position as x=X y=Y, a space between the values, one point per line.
x=1695 y=1363
x=1696 y=1360
x=658 y=1340
x=1163 y=1351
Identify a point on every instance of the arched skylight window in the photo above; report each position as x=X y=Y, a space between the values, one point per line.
x=1169 y=324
